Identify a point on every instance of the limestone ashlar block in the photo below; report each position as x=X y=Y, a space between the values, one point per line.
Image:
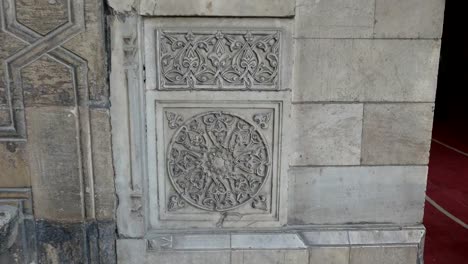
x=409 y=18
x=384 y=255
x=55 y=163
x=339 y=195
x=104 y=188
x=42 y=16
x=397 y=133
x=269 y=256
x=366 y=70
x=329 y=255
x=334 y=19
x=327 y=134
x=238 y=8
x=14 y=165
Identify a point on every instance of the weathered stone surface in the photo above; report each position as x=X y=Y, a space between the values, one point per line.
x=397 y=133
x=55 y=163
x=103 y=169
x=14 y=165
x=384 y=255
x=261 y=8
x=48 y=82
x=9 y=45
x=90 y=45
x=409 y=18
x=9 y=218
x=327 y=134
x=366 y=70
x=326 y=238
x=42 y=16
x=334 y=19
x=329 y=255
x=338 y=195
x=269 y=257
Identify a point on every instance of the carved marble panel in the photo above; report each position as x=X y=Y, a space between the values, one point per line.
x=218 y=54
x=218 y=59
x=216 y=162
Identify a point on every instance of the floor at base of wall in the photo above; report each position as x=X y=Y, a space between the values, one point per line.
x=446 y=211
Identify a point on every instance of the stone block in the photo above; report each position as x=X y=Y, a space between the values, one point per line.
x=384 y=255
x=339 y=195
x=187 y=257
x=53 y=149
x=48 y=82
x=326 y=238
x=329 y=255
x=334 y=19
x=269 y=257
x=14 y=165
x=409 y=18
x=327 y=134
x=90 y=45
x=237 y=8
x=42 y=16
x=266 y=241
x=366 y=70
x=397 y=133
x=103 y=169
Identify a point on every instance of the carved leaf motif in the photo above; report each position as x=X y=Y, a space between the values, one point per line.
x=174 y=119
x=217 y=161
x=260 y=203
x=262 y=119
x=219 y=60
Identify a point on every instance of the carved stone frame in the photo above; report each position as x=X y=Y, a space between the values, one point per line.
x=133 y=96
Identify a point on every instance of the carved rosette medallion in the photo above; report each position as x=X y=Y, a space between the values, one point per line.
x=218 y=161
x=219 y=59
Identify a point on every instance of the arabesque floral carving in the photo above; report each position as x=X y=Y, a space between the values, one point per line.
x=218 y=161
x=219 y=60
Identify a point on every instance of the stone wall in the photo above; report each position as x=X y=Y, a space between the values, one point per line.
x=355 y=98
x=55 y=155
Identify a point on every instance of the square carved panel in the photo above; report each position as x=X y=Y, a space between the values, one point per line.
x=216 y=163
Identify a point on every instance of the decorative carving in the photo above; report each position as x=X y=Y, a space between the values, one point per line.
x=219 y=60
x=262 y=119
x=54 y=36
x=175 y=203
x=259 y=202
x=174 y=120
x=160 y=242
x=218 y=161
x=137 y=205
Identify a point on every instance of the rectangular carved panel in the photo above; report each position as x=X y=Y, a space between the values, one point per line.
x=218 y=59
x=216 y=162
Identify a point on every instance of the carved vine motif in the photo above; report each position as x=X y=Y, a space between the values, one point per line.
x=218 y=161
x=175 y=203
x=260 y=203
x=219 y=60
x=175 y=120
x=262 y=119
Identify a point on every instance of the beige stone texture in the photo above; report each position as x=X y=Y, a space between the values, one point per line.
x=409 y=18
x=42 y=16
x=103 y=169
x=14 y=165
x=269 y=257
x=347 y=195
x=54 y=157
x=329 y=255
x=384 y=255
x=327 y=134
x=47 y=82
x=334 y=19
x=366 y=70
x=397 y=133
